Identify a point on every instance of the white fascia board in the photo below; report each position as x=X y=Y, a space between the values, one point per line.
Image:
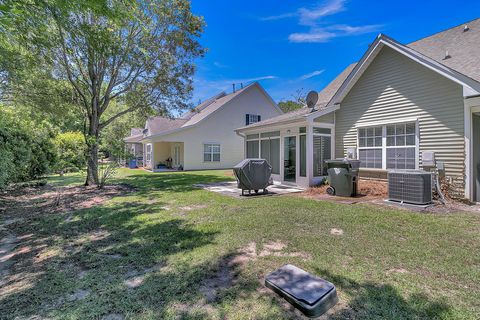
x=272 y=126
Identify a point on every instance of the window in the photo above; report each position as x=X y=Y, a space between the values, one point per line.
x=252 y=118
x=303 y=155
x=211 y=152
x=148 y=152
x=270 y=151
x=370 y=147
x=322 y=151
x=401 y=146
x=252 y=149
x=265 y=145
x=270 y=134
x=394 y=142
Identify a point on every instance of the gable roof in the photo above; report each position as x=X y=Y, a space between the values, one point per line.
x=136 y=134
x=324 y=97
x=431 y=53
x=161 y=125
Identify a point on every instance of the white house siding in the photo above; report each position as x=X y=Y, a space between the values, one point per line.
x=395 y=87
x=219 y=128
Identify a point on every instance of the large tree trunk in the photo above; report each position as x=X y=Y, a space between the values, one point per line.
x=92 y=165
x=92 y=149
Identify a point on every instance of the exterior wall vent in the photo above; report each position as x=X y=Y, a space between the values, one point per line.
x=447 y=55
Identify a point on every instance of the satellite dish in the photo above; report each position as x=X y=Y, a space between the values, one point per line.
x=312 y=98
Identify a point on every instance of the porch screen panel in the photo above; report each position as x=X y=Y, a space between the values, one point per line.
x=270 y=151
x=252 y=149
x=303 y=156
x=321 y=152
x=275 y=155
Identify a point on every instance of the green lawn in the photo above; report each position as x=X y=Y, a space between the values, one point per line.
x=169 y=250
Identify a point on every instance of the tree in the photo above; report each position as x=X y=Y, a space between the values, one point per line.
x=70 y=149
x=297 y=102
x=289 y=105
x=136 y=52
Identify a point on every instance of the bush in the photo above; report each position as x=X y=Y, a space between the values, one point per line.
x=71 y=149
x=25 y=153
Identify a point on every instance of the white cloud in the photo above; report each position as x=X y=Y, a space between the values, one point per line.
x=319 y=33
x=311 y=74
x=280 y=16
x=316 y=35
x=220 y=65
x=309 y=17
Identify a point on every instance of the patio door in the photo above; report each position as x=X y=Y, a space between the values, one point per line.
x=176 y=155
x=290 y=159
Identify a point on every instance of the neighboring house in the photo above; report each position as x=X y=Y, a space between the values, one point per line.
x=396 y=102
x=204 y=137
x=133 y=144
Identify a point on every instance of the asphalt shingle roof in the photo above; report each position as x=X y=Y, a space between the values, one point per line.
x=463 y=48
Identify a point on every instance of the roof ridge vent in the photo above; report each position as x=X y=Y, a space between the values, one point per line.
x=447 y=55
x=466 y=28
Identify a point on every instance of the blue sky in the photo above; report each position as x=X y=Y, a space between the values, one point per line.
x=294 y=45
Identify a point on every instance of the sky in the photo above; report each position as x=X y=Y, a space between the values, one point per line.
x=298 y=46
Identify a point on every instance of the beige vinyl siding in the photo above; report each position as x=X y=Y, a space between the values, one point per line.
x=327 y=118
x=394 y=87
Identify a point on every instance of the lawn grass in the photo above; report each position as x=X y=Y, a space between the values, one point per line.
x=177 y=239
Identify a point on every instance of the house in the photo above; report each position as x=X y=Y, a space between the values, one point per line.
x=396 y=102
x=133 y=144
x=204 y=137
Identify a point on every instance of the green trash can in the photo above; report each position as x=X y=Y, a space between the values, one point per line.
x=343 y=177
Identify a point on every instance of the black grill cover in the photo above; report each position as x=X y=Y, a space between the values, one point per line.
x=253 y=174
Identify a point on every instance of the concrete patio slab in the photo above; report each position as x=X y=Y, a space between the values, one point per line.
x=230 y=189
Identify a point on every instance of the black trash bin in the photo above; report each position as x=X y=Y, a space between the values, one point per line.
x=343 y=177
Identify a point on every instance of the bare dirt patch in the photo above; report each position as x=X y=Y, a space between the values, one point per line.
x=23 y=257
x=367 y=190
x=194 y=207
x=376 y=191
x=336 y=232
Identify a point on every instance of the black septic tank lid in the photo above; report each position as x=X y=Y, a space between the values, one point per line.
x=312 y=295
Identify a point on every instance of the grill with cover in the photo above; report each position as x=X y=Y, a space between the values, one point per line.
x=253 y=174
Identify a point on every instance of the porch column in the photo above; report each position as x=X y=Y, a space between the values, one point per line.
x=153 y=160
x=309 y=154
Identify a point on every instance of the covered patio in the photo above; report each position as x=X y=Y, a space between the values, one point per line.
x=295 y=144
x=164 y=156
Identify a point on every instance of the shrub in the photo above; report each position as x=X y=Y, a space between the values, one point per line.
x=25 y=153
x=71 y=149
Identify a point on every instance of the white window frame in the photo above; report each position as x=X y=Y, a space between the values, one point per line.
x=148 y=152
x=332 y=140
x=384 y=146
x=253 y=118
x=211 y=153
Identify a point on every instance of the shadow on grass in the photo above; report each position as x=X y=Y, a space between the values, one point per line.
x=372 y=300
x=78 y=267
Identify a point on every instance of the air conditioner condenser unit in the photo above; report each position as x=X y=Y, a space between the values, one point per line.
x=410 y=186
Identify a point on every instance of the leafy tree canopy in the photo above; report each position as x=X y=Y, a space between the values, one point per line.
x=83 y=55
